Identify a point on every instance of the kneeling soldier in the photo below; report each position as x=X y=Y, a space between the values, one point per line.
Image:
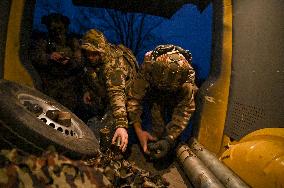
x=167 y=85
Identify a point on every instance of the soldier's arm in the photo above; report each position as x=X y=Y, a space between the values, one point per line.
x=136 y=94
x=115 y=86
x=38 y=54
x=182 y=112
x=87 y=80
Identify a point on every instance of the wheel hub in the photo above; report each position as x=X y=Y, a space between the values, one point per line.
x=44 y=111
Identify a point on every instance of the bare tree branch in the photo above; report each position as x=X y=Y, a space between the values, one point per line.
x=130 y=28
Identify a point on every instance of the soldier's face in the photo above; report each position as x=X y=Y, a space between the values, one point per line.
x=57 y=29
x=93 y=57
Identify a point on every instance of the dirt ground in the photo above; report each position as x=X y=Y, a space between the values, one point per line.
x=169 y=169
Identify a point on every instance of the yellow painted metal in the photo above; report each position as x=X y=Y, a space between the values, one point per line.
x=225 y=143
x=258 y=158
x=13 y=69
x=212 y=122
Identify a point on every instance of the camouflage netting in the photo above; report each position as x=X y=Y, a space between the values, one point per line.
x=49 y=170
x=18 y=169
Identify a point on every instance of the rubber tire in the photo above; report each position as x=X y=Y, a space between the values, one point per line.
x=22 y=129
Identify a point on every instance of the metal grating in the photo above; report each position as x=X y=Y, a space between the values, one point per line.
x=244 y=119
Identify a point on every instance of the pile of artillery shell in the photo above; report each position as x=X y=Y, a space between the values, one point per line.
x=122 y=173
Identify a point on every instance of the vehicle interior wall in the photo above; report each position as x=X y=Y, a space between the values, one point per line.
x=257 y=81
x=212 y=98
x=4 y=14
x=15 y=66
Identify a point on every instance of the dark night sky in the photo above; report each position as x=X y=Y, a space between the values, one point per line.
x=187 y=28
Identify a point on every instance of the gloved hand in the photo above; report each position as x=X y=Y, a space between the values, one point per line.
x=160 y=148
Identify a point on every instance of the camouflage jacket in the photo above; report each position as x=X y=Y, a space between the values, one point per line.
x=160 y=80
x=111 y=80
x=40 y=51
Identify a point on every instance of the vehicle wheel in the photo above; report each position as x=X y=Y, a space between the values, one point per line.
x=26 y=124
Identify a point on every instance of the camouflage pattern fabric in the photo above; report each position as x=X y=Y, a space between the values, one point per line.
x=49 y=170
x=94 y=41
x=167 y=84
x=113 y=75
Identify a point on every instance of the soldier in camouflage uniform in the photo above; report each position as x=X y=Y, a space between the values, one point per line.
x=112 y=70
x=57 y=59
x=167 y=84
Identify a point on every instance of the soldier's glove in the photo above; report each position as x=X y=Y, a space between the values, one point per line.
x=160 y=148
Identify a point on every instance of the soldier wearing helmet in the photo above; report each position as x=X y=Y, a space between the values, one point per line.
x=57 y=58
x=167 y=84
x=111 y=70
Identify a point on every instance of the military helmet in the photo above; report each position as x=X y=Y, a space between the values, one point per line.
x=170 y=66
x=94 y=41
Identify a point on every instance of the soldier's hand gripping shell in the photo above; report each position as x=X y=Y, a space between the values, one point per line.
x=122 y=133
x=159 y=149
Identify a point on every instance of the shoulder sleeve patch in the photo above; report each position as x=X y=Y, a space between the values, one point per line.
x=117 y=78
